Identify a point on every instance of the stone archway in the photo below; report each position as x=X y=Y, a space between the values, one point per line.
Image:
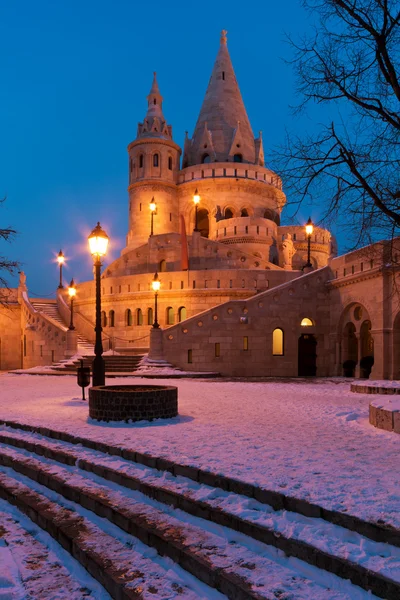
x=203 y=222
x=307 y=355
x=349 y=349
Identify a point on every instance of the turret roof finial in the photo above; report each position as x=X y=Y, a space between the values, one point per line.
x=224 y=37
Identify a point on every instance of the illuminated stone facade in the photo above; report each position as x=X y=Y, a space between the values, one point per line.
x=233 y=294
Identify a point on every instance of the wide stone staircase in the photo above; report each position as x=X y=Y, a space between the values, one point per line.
x=49 y=308
x=116 y=363
x=146 y=527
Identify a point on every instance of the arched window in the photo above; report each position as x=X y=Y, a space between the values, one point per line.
x=139 y=317
x=244 y=212
x=268 y=215
x=155 y=160
x=203 y=223
x=182 y=314
x=150 y=318
x=206 y=158
x=111 y=318
x=169 y=313
x=277 y=342
x=128 y=317
x=170 y=163
x=103 y=319
x=238 y=158
x=162 y=267
x=306 y=322
x=228 y=213
x=141 y=161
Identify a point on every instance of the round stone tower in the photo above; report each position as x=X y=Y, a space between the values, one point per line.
x=153 y=173
x=241 y=199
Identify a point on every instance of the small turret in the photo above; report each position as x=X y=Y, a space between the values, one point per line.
x=153 y=172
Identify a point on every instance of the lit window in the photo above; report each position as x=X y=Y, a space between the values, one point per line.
x=182 y=314
x=170 y=315
x=139 y=317
x=150 y=319
x=306 y=322
x=277 y=342
x=245 y=343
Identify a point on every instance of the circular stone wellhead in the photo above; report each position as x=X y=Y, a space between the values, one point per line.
x=133 y=402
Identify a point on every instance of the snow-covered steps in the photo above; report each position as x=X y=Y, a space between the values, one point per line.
x=126 y=568
x=226 y=560
x=378 y=531
x=348 y=554
x=33 y=566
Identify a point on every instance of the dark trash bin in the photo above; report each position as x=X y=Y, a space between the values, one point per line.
x=83 y=375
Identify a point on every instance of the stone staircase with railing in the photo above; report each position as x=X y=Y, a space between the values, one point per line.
x=49 y=308
x=114 y=363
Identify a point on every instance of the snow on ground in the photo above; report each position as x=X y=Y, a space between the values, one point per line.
x=307 y=439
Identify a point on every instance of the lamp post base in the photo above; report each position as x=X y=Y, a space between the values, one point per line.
x=156 y=344
x=99 y=371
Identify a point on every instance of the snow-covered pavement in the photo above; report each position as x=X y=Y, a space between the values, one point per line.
x=307 y=439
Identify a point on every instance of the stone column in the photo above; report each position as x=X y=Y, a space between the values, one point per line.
x=359 y=355
x=382 y=342
x=72 y=343
x=156 y=344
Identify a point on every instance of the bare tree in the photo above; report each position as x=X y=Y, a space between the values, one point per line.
x=6 y=266
x=350 y=162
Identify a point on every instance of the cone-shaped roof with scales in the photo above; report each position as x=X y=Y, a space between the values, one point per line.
x=223 y=128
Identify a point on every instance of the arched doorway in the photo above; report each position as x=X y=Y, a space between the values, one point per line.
x=367 y=350
x=203 y=222
x=350 y=350
x=307 y=355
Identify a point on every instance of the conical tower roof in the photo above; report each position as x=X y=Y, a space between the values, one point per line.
x=154 y=124
x=223 y=128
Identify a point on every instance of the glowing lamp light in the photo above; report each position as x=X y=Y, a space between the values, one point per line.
x=196 y=197
x=153 y=205
x=60 y=258
x=72 y=289
x=156 y=283
x=98 y=242
x=309 y=226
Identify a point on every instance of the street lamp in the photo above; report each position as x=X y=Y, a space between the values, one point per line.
x=153 y=208
x=196 y=200
x=155 y=284
x=60 y=260
x=98 y=243
x=71 y=294
x=309 y=230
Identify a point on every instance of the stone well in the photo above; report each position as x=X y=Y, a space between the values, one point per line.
x=133 y=402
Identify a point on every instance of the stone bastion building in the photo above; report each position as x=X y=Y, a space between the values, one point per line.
x=235 y=297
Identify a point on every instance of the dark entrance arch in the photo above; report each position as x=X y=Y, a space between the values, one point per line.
x=307 y=353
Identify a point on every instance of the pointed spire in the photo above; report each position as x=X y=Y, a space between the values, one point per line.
x=154 y=124
x=222 y=110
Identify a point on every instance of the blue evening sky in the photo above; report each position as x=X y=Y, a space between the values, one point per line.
x=74 y=76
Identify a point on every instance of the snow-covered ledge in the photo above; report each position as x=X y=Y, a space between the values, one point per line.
x=384 y=413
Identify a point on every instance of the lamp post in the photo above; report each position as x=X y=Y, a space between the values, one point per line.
x=155 y=284
x=153 y=208
x=98 y=243
x=60 y=260
x=71 y=294
x=196 y=200
x=309 y=230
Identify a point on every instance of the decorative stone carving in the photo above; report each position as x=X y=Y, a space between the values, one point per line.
x=287 y=251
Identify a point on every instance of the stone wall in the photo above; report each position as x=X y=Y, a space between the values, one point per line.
x=10 y=331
